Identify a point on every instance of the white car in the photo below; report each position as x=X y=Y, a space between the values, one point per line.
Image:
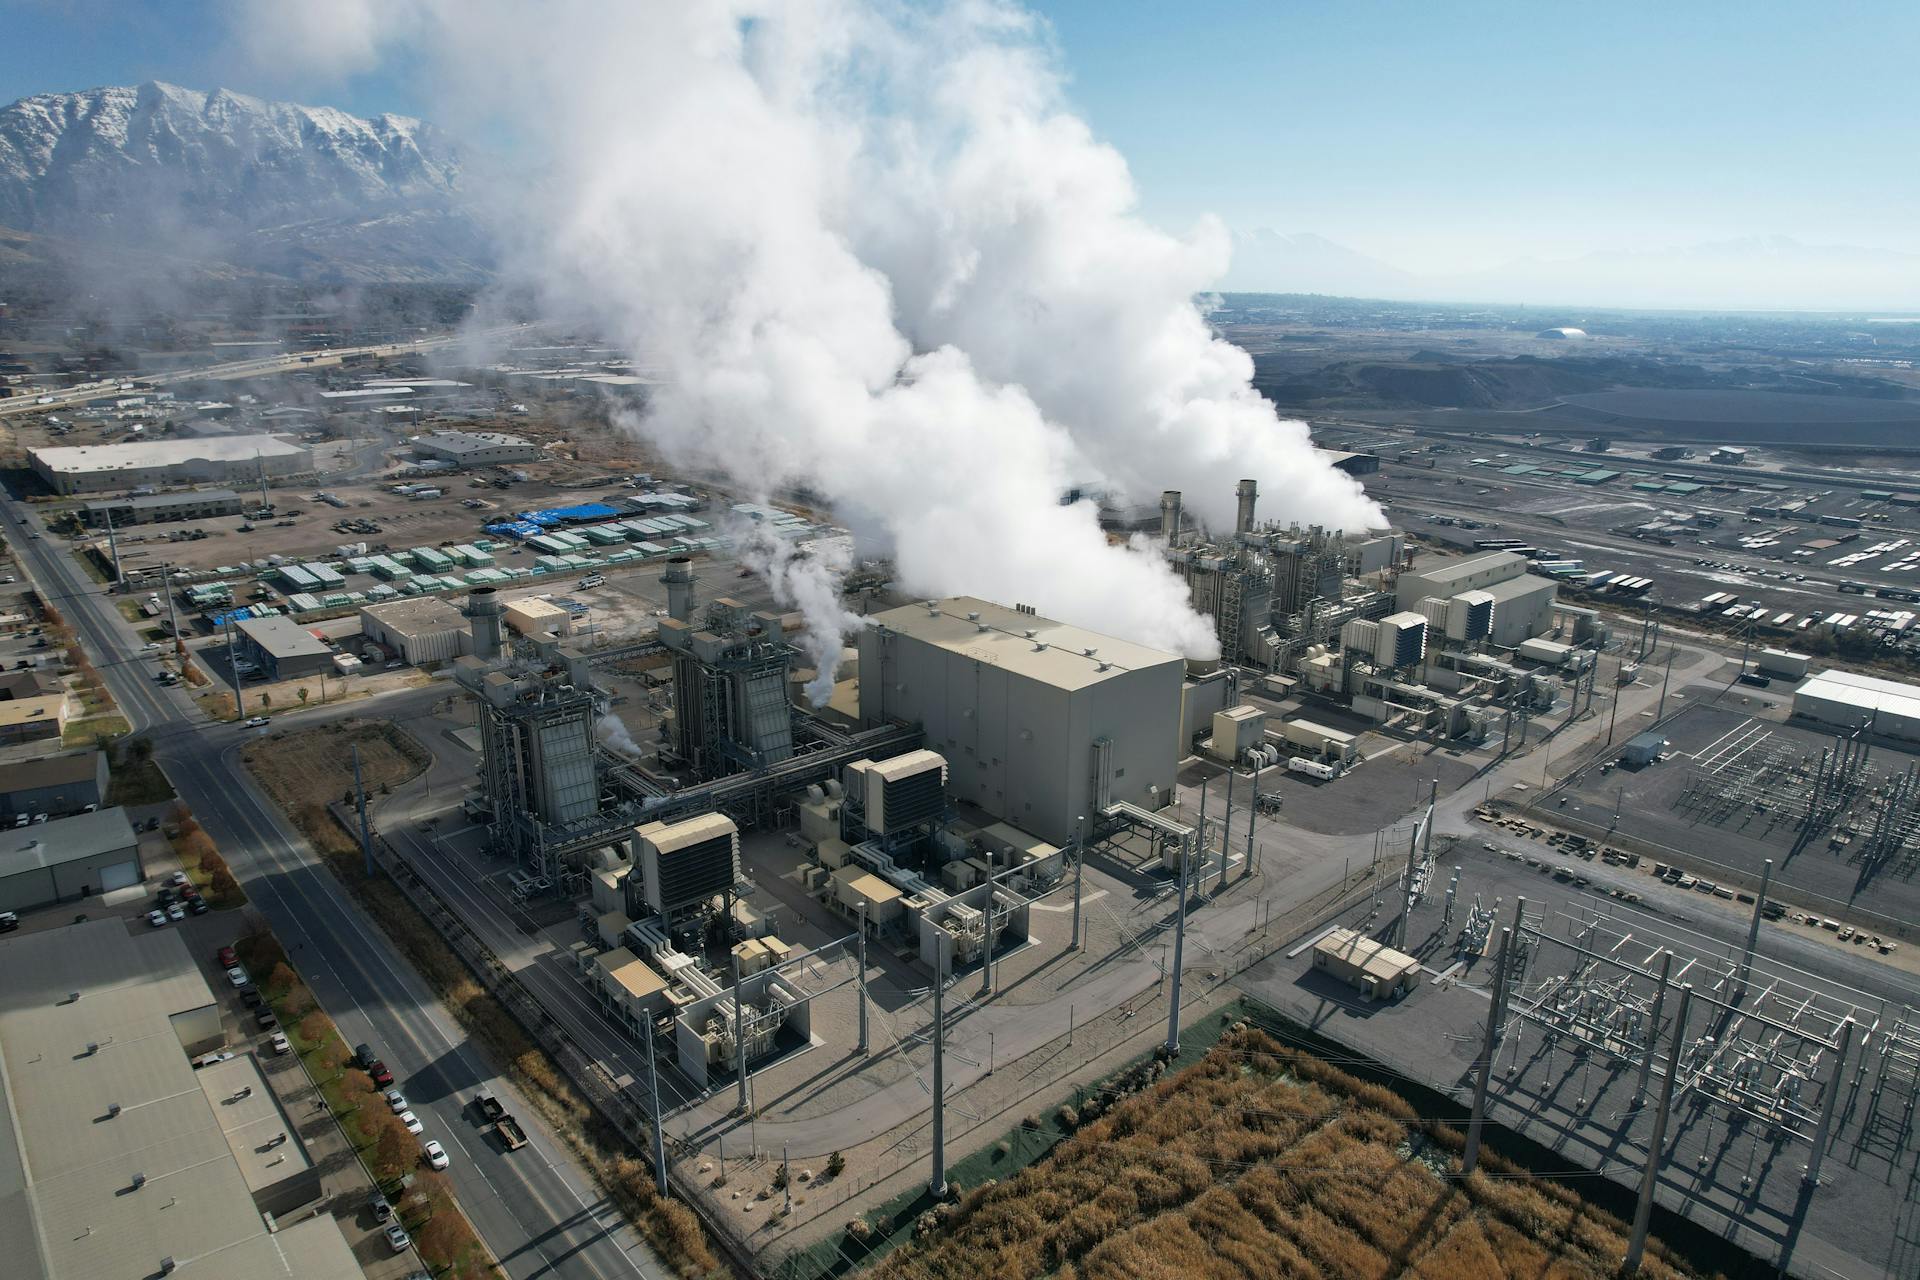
x=258 y=722
x=397 y=1100
x=436 y=1156
x=280 y=1042
x=412 y=1121
x=157 y=919
x=177 y=911
x=178 y=879
x=397 y=1238
x=237 y=976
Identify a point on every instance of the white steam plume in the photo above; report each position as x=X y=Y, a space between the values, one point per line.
x=874 y=253
x=808 y=579
x=612 y=730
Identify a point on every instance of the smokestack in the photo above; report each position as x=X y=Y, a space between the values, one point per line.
x=679 y=583
x=1248 y=492
x=483 y=607
x=1170 y=514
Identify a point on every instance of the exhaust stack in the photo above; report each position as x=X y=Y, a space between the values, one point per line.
x=1170 y=514
x=1248 y=491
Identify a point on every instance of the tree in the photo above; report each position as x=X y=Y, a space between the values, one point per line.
x=356 y=1086
x=313 y=1028
x=302 y=692
x=266 y=700
x=393 y=1150
x=224 y=886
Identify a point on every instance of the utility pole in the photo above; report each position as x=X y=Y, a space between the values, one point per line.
x=1653 y=1031
x=1613 y=717
x=113 y=550
x=233 y=664
x=1406 y=899
x=1483 y=1068
x=740 y=1036
x=1829 y=1103
x=1079 y=862
x=1433 y=801
x=986 y=958
x=1643 y=1211
x=1661 y=714
x=1179 y=944
x=1753 y=928
x=1226 y=832
x=360 y=802
x=860 y=960
x=786 y=1181
x=1253 y=811
x=659 y=1143
x=938 y=1183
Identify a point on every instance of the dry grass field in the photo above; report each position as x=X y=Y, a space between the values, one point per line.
x=1260 y=1161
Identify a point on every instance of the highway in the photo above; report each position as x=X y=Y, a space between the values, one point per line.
x=538 y=1212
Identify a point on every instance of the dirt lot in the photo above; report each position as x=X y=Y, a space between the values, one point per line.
x=314 y=766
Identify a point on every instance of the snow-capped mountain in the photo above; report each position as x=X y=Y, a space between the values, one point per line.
x=309 y=192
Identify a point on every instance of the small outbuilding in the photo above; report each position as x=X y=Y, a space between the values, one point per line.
x=1374 y=969
x=1643 y=749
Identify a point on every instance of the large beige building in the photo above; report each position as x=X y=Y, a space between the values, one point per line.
x=1041 y=723
x=170 y=464
x=119 y=1160
x=1522 y=601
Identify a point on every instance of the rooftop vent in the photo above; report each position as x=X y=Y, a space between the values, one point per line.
x=139 y=1181
x=113 y=1111
x=166 y=1266
x=1031 y=633
x=974 y=616
x=1040 y=646
x=92 y=1048
x=1091 y=652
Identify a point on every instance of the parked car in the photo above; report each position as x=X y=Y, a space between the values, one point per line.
x=381 y=1076
x=197 y=906
x=238 y=976
x=264 y=1015
x=178 y=911
x=280 y=1044
x=363 y=1056
x=9 y=921
x=250 y=997
x=397 y=1238
x=178 y=879
x=397 y=1100
x=166 y=895
x=436 y=1156
x=411 y=1121
x=382 y=1210
x=157 y=919
x=259 y=722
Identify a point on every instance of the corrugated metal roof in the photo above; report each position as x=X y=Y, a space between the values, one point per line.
x=1056 y=654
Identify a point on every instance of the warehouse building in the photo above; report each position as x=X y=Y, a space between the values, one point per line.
x=68 y=858
x=475 y=448
x=1522 y=602
x=1041 y=723
x=1375 y=970
x=108 y=468
x=54 y=785
x=35 y=719
x=282 y=648
x=157 y=508
x=1844 y=700
x=118 y=1159
x=420 y=631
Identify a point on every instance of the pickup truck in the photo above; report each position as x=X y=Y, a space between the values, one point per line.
x=495 y=1115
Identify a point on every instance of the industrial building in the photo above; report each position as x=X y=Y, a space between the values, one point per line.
x=1042 y=724
x=54 y=785
x=68 y=858
x=36 y=719
x=1846 y=700
x=282 y=648
x=157 y=508
x=1522 y=602
x=422 y=630
x=1375 y=970
x=1643 y=749
x=536 y=617
x=123 y=1161
x=107 y=468
x=731 y=710
x=475 y=448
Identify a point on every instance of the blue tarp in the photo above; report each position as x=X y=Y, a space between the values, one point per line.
x=584 y=513
x=519 y=530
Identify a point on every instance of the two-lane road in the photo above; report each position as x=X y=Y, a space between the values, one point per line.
x=536 y=1209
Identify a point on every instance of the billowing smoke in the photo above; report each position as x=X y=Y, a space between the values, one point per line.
x=612 y=731
x=876 y=254
x=807 y=579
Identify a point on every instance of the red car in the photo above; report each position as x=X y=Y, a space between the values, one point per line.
x=226 y=958
x=381 y=1076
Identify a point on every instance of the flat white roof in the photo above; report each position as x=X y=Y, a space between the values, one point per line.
x=1057 y=654
x=86 y=458
x=1867 y=693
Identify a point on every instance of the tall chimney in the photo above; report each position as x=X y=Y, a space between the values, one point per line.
x=1170 y=514
x=483 y=607
x=679 y=583
x=1248 y=491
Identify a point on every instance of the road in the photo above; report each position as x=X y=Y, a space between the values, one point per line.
x=538 y=1212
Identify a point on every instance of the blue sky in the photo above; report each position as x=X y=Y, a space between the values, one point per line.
x=1439 y=137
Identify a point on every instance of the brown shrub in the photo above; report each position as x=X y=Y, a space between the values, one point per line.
x=394 y=1150
x=313 y=1029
